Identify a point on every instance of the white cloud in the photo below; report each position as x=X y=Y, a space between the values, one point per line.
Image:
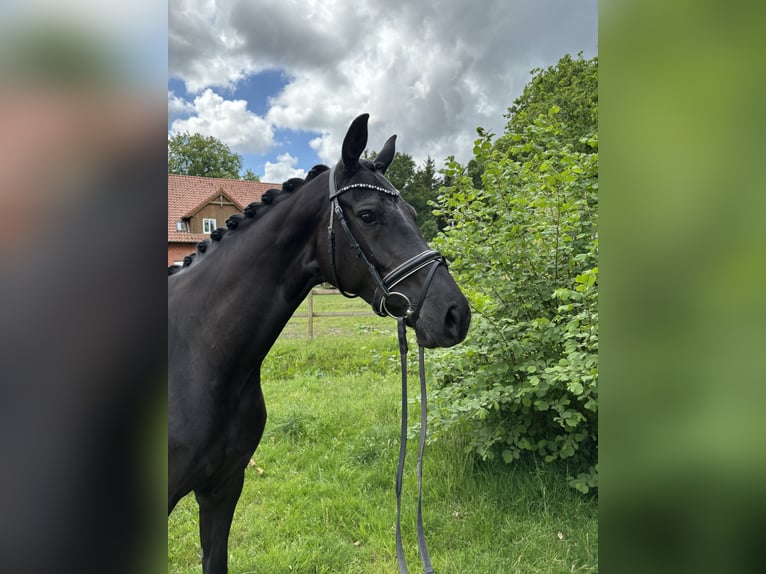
x=227 y=120
x=327 y=148
x=178 y=106
x=430 y=72
x=283 y=170
x=203 y=49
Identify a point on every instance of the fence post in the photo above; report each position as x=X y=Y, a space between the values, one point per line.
x=311 y=314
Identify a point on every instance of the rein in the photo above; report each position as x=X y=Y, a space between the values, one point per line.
x=397 y=305
x=425 y=558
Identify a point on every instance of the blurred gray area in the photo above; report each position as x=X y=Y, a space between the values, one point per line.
x=82 y=293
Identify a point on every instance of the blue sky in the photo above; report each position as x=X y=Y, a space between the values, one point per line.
x=256 y=90
x=279 y=82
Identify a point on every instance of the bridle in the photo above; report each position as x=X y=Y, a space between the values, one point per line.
x=386 y=302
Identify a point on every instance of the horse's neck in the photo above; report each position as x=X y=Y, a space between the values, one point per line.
x=248 y=287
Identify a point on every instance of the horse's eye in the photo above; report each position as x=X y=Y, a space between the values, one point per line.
x=367 y=216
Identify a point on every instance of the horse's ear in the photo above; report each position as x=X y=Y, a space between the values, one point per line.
x=386 y=155
x=355 y=142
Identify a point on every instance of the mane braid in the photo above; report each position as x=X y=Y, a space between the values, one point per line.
x=268 y=196
x=292 y=184
x=252 y=209
x=315 y=171
x=249 y=215
x=233 y=221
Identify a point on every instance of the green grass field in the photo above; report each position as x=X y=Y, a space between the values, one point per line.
x=319 y=497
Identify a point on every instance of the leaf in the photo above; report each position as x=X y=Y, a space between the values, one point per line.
x=522 y=241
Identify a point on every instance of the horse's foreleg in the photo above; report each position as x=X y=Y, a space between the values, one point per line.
x=216 y=509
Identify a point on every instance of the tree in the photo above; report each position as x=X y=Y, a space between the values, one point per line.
x=421 y=193
x=419 y=186
x=523 y=246
x=249 y=175
x=195 y=154
x=571 y=86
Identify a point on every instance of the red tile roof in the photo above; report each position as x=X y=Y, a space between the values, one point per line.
x=187 y=194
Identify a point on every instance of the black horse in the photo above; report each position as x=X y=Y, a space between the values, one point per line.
x=226 y=307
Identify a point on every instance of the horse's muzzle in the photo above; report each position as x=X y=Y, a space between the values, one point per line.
x=443 y=326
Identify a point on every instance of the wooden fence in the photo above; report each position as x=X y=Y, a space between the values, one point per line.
x=310 y=314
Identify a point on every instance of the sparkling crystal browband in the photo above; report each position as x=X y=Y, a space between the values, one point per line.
x=393 y=192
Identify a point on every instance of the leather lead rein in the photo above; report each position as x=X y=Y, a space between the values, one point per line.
x=425 y=558
x=382 y=293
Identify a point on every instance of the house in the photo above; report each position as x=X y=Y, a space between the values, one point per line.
x=198 y=205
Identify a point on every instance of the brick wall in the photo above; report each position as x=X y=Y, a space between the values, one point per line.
x=177 y=251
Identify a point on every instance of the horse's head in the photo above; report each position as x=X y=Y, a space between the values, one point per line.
x=374 y=248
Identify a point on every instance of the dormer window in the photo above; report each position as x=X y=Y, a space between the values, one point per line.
x=208 y=225
x=182 y=225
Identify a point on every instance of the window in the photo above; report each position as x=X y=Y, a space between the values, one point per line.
x=208 y=225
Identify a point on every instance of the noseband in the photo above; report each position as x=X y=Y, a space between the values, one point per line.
x=397 y=305
x=385 y=302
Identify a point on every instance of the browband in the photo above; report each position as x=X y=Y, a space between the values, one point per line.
x=335 y=192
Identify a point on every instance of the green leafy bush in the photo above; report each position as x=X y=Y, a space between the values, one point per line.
x=523 y=246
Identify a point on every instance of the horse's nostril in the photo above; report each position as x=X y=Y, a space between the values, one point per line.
x=452 y=321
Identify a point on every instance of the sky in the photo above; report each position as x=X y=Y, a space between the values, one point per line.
x=279 y=81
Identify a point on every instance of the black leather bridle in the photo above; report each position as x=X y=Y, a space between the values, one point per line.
x=385 y=302
x=397 y=305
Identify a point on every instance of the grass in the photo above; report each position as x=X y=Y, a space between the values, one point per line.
x=335 y=326
x=320 y=497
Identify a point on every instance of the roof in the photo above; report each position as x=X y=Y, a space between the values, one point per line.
x=187 y=194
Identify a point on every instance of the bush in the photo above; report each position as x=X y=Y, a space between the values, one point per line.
x=523 y=246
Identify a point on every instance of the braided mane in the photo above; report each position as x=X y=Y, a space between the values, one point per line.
x=252 y=213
